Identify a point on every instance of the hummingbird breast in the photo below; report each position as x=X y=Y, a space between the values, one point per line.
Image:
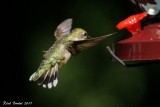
x=58 y=54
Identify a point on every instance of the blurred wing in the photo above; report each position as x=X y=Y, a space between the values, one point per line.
x=63 y=29
x=133 y=1
x=78 y=46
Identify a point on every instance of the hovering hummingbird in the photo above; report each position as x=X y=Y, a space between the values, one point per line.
x=67 y=43
x=152 y=7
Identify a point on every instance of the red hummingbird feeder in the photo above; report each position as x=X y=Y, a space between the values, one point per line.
x=143 y=45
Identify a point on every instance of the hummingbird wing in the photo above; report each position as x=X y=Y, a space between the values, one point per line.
x=78 y=46
x=63 y=29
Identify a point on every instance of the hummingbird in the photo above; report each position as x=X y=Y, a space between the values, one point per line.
x=152 y=7
x=68 y=43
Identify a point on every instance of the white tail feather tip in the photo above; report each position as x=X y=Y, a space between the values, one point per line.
x=30 y=79
x=55 y=82
x=44 y=86
x=50 y=85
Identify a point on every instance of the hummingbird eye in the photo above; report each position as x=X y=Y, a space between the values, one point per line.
x=85 y=33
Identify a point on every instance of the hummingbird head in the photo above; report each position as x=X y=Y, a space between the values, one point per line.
x=78 y=34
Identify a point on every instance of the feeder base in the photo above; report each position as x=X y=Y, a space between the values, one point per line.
x=144 y=45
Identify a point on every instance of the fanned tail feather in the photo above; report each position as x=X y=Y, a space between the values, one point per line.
x=48 y=79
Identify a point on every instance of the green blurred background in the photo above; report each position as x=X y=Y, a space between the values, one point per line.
x=90 y=79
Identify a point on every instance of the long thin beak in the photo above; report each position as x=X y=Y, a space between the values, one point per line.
x=88 y=37
x=111 y=34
